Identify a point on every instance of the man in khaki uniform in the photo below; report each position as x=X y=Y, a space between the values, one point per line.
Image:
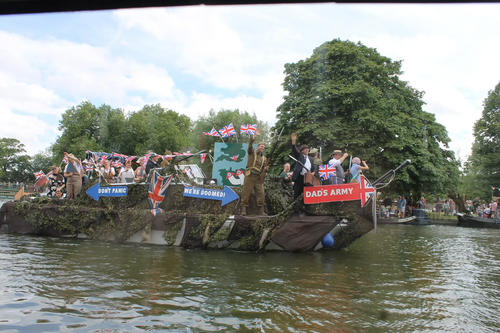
x=255 y=165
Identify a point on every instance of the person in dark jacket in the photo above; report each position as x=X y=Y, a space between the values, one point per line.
x=152 y=162
x=299 y=171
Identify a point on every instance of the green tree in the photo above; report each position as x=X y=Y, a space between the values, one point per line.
x=218 y=120
x=347 y=96
x=157 y=129
x=485 y=158
x=81 y=129
x=14 y=163
x=43 y=161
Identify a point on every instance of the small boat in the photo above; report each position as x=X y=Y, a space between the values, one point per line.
x=404 y=220
x=476 y=222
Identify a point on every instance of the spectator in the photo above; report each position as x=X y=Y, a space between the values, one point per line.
x=126 y=174
x=152 y=163
x=387 y=207
x=167 y=159
x=56 y=181
x=107 y=172
x=401 y=206
x=357 y=170
x=494 y=206
x=337 y=159
x=446 y=207
x=286 y=175
x=140 y=172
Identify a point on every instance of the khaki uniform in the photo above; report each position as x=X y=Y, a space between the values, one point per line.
x=255 y=165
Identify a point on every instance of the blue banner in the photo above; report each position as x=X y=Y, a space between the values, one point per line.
x=97 y=191
x=226 y=196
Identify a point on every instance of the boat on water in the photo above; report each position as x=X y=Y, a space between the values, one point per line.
x=404 y=220
x=476 y=222
x=189 y=221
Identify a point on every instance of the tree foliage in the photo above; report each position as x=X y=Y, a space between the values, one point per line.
x=484 y=162
x=86 y=127
x=14 y=163
x=347 y=96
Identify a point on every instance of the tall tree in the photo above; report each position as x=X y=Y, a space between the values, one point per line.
x=347 y=96
x=81 y=130
x=14 y=163
x=156 y=128
x=485 y=158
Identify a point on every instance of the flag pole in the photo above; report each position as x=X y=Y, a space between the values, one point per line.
x=220 y=136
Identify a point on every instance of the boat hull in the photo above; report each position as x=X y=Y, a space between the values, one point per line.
x=476 y=222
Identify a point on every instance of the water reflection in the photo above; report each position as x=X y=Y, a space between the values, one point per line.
x=402 y=278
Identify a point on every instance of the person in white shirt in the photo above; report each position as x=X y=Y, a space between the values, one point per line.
x=126 y=172
x=337 y=159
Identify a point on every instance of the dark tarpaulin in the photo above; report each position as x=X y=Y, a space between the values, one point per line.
x=303 y=233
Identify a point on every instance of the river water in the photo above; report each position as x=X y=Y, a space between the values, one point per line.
x=399 y=279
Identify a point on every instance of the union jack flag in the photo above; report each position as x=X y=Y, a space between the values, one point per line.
x=89 y=167
x=116 y=164
x=229 y=174
x=235 y=157
x=130 y=158
x=157 y=190
x=326 y=171
x=248 y=128
x=39 y=174
x=227 y=131
x=366 y=190
x=202 y=157
x=212 y=132
x=65 y=160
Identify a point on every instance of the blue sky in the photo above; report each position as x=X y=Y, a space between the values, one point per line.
x=193 y=59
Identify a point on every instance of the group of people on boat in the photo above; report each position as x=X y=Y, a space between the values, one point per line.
x=482 y=209
x=304 y=171
x=68 y=183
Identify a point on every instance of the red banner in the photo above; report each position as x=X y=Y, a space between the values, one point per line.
x=343 y=192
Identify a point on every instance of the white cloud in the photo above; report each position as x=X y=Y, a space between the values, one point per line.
x=34 y=133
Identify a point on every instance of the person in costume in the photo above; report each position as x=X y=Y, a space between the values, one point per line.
x=336 y=160
x=56 y=182
x=73 y=173
x=256 y=163
x=299 y=171
x=357 y=169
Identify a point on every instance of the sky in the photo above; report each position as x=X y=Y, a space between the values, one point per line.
x=195 y=58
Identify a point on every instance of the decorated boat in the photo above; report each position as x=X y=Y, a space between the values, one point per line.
x=173 y=210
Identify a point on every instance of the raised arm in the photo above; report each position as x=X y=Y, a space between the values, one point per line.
x=343 y=157
x=295 y=151
x=364 y=166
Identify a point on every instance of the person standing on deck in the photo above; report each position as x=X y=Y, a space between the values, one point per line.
x=73 y=178
x=298 y=170
x=256 y=163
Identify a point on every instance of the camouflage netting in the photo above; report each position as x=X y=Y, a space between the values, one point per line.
x=118 y=218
